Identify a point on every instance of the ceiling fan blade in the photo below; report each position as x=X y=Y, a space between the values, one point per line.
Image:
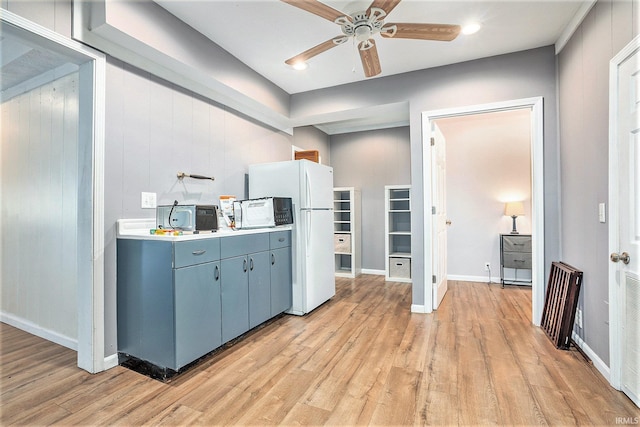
x=370 y=59
x=386 y=5
x=317 y=8
x=316 y=50
x=440 y=32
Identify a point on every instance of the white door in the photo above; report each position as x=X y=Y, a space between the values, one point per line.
x=439 y=211
x=625 y=221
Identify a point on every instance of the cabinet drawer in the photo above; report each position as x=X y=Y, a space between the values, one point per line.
x=241 y=245
x=279 y=239
x=516 y=243
x=517 y=260
x=196 y=252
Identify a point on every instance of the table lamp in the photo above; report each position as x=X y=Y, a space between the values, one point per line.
x=514 y=209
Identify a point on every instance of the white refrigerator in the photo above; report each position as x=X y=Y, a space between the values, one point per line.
x=310 y=186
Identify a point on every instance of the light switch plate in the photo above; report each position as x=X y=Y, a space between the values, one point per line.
x=148 y=200
x=602 y=212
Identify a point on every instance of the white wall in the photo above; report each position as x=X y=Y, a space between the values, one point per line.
x=488 y=164
x=39 y=197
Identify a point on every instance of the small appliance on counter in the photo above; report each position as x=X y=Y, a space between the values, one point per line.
x=187 y=217
x=263 y=212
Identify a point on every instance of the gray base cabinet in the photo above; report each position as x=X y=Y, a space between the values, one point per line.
x=259 y=288
x=179 y=300
x=235 y=297
x=197 y=311
x=281 y=297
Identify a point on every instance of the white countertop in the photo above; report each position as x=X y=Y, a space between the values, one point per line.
x=140 y=229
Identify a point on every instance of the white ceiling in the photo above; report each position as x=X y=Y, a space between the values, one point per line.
x=264 y=33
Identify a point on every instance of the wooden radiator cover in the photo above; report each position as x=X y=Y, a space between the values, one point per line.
x=560 y=303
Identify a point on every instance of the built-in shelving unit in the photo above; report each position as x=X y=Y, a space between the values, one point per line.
x=346 y=229
x=398 y=233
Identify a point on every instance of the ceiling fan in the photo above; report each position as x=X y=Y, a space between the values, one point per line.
x=362 y=26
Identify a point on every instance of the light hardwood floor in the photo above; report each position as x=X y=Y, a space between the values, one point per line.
x=360 y=359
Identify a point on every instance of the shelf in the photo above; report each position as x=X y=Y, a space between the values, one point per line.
x=346 y=221
x=398 y=233
x=400 y=255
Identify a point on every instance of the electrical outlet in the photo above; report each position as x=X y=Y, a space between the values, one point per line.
x=148 y=200
x=487 y=266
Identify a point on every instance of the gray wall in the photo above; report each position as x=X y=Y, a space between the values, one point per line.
x=310 y=138
x=519 y=75
x=583 y=73
x=369 y=161
x=54 y=15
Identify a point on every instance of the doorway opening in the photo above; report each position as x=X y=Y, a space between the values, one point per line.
x=534 y=106
x=52 y=158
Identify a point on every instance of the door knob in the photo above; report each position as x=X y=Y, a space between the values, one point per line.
x=624 y=257
x=448 y=222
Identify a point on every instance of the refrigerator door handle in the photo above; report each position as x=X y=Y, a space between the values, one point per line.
x=308 y=192
x=308 y=230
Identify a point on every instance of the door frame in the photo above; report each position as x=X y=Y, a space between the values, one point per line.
x=615 y=320
x=537 y=191
x=91 y=147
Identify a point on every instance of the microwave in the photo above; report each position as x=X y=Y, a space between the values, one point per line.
x=187 y=217
x=263 y=212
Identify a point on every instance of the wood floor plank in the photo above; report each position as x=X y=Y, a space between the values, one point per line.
x=360 y=359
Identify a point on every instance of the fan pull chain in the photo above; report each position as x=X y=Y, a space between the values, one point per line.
x=355 y=47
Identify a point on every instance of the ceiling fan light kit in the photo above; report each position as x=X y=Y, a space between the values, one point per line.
x=363 y=26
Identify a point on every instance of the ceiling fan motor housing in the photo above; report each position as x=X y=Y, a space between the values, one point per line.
x=363 y=27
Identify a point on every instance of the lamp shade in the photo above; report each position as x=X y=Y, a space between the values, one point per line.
x=514 y=208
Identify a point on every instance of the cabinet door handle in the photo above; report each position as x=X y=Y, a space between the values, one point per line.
x=216 y=275
x=273 y=259
x=281 y=239
x=251 y=264
x=244 y=265
x=200 y=252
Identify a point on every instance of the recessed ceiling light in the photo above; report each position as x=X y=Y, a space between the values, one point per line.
x=471 y=28
x=300 y=65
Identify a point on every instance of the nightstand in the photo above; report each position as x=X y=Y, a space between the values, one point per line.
x=515 y=253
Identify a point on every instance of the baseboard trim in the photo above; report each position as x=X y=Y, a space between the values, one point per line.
x=416 y=308
x=39 y=331
x=110 y=361
x=482 y=279
x=371 y=271
x=597 y=362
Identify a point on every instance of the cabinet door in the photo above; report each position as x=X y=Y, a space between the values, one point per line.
x=281 y=282
x=235 y=297
x=197 y=311
x=259 y=288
